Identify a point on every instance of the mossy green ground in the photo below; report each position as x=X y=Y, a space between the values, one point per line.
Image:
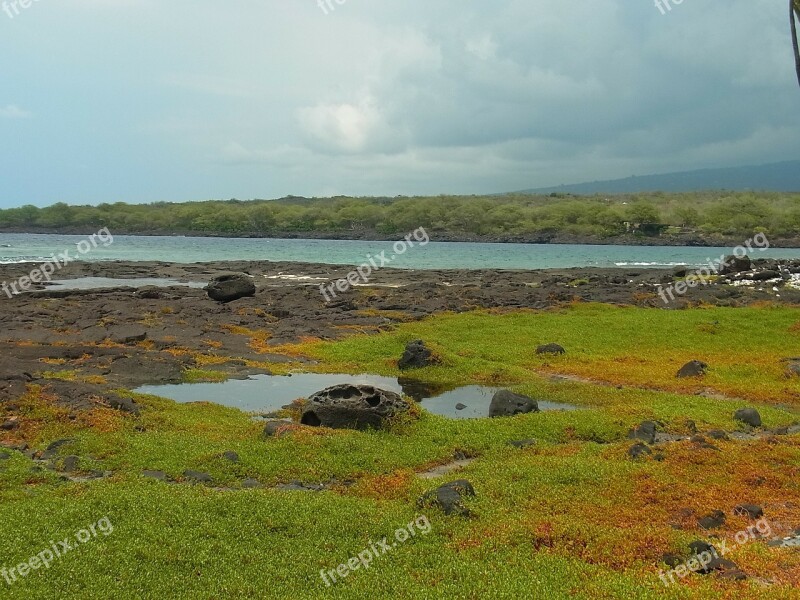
x=571 y=516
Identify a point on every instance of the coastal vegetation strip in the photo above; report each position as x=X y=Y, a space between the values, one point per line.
x=694 y=218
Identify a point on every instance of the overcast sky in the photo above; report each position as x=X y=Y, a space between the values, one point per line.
x=148 y=100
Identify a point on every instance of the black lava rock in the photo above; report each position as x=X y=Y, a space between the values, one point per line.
x=638 y=451
x=550 y=349
x=646 y=432
x=349 y=406
x=693 y=368
x=748 y=416
x=198 y=477
x=416 y=356
x=508 y=404
x=715 y=520
x=449 y=498
x=749 y=510
x=227 y=288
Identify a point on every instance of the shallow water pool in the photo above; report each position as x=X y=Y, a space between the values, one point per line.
x=267 y=393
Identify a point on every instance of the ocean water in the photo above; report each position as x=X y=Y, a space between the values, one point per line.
x=435 y=255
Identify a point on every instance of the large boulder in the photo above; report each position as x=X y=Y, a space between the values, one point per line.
x=735 y=264
x=227 y=288
x=349 y=406
x=416 y=356
x=508 y=404
x=748 y=416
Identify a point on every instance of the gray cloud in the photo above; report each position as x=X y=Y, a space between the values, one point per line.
x=263 y=99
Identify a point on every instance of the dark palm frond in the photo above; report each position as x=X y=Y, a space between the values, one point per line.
x=794 y=17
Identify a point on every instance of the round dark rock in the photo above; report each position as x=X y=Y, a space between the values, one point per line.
x=70 y=464
x=672 y=560
x=349 y=406
x=9 y=425
x=276 y=428
x=198 y=477
x=550 y=349
x=638 y=451
x=748 y=416
x=230 y=287
x=416 y=356
x=646 y=432
x=231 y=456
x=793 y=369
x=749 y=510
x=449 y=498
x=715 y=520
x=508 y=404
x=460 y=406
x=680 y=271
x=693 y=368
x=699 y=547
x=123 y=404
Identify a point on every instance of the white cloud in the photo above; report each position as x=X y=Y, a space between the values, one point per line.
x=12 y=111
x=348 y=127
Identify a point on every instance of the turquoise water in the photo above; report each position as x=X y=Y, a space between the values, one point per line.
x=447 y=255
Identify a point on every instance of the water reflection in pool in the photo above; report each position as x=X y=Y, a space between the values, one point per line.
x=267 y=393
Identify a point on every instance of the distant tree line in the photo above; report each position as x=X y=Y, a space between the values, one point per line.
x=729 y=214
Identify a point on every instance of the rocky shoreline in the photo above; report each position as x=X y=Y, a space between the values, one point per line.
x=369 y=235
x=123 y=337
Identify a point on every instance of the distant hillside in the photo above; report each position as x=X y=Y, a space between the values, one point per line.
x=776 y=177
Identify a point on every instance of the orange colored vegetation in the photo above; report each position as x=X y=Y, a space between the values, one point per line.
x=658 y=371
x=392 y=486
